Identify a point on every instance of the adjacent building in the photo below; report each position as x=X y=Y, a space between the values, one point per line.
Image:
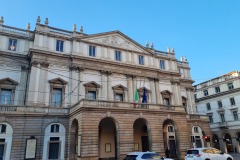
x=71 y=95
x=219 y=99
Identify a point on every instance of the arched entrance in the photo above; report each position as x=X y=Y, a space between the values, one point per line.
x=169 y=137
x=107 y=139
x=141 y=135
x=197 y=135
x=228 y=141
x=74 y=147
x=215 y=141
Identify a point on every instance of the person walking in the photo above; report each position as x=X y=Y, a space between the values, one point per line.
x=167 y=152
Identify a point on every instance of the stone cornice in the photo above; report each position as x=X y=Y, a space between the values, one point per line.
x=218 y=95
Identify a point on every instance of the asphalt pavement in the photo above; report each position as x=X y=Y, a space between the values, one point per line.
x=236 y=156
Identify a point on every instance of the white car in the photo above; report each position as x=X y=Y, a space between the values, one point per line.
x=207 y=154
x=144 y=156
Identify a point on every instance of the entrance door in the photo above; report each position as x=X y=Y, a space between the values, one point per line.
x=145 y=145
x=1 y=151
x=172 y=148
x=198 y=143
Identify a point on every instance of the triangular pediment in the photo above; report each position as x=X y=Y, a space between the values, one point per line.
x=142 y=89
x=166 y=92
x=119 y=87
x=92 y=85
x=58 y=81
x=8 y=81
x=116 y=39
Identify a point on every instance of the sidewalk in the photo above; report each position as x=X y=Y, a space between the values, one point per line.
x=236 y=156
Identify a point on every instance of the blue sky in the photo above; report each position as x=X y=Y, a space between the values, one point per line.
x=207 y=32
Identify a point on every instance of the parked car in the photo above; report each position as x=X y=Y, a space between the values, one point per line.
x=144 y=156
x=207 y=154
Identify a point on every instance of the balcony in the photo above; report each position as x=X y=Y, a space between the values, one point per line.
x=222 y=125
x=18 y=110
x=197 y=117
x=85 y=103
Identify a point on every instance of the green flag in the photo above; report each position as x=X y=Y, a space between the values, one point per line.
x=136 y=95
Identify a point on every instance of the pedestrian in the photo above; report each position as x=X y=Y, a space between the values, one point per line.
x=167 y=152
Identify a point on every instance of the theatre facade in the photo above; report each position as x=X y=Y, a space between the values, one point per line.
x=71 y=95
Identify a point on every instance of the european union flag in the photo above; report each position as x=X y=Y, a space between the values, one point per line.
x=144 y=99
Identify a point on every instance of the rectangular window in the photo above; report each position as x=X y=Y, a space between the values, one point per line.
x=57 y=97
x=222 y=116
x=232 y=101
x=235 y=115
x=162 y=64
x=219 y=104
x=54 y=148
x=166 y=101
x=208 y=106
x=205 y=92
x=59 y=45
x=91 y=95
x=195 y=96
x=230 y=86
x=119 y=97
x=140 y=59
x=217 y=89
x=179 y=71
x=6 y=95
x=210 y=119
x=92 y=51
x=54 y=128
x=12 y=44
x=118 y=56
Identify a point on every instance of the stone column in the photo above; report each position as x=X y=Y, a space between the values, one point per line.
x=153 y=90
x=130 y=88
x=81 y=88
x=22 y=86
x=157 y=91
x=104 y=86
x=109 y=86
x=34 y=83
x=74 y=85
x=134 y=78
x=175 y=95
x=190 y=102
x=43 y=84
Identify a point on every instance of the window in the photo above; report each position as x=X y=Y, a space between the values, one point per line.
x=235 y=115
x=57 y=97
x=196 y=130
x=179 y=71
x=54 y=148
x=57 y=90
x=232 y=101
x=140 y=59
x=2 y=148
x=166 y=95
x=219 y=104
x=119 y=97
x=205 y=92
x=166 y=101
x=54 y=128
x=91 y=95
x=230 y=86
x=170 y=129
x=208 y=106
x=3 y=128
x=222 y=116
x=12 y=44
x=195 y=96
x=210 y=117
x=6 y=95
x=118 y=56
x=59 y=46
x=162 y=64
x=92 y=52
x=217 y=89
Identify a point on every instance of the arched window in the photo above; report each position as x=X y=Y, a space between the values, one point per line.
x=54 y=142
x=196 y=129
x=5 y=140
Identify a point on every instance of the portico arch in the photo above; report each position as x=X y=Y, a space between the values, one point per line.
x=107 y=135
x=74 y=140
x=228 y=143
x=141 y=135
x=170 y=137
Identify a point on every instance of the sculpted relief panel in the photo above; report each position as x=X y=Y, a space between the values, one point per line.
x=116 y=41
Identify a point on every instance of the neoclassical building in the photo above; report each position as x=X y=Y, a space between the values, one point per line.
x=71 y=95
x=219 y=99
